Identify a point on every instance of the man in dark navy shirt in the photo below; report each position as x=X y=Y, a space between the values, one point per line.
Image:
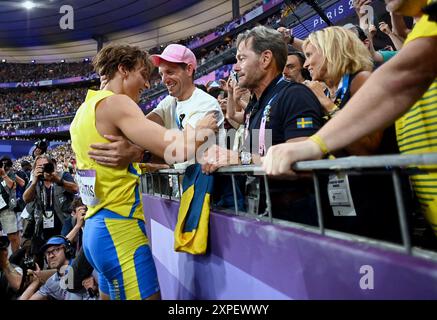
x=281 y=110
x=295 y=111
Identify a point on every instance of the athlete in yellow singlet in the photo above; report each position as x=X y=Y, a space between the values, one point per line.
x=114 y=239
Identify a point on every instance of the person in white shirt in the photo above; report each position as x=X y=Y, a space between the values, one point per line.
x=186 y=105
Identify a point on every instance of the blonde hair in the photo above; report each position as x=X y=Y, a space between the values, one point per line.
x=342 y=50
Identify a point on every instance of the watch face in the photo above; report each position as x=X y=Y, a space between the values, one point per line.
x=246 y=157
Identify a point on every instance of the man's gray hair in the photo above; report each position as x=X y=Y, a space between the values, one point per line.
x=263 y=39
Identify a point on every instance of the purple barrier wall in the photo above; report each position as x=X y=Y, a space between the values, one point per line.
x=249 y=259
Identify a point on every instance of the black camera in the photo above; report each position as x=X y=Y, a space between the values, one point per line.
x=4 y=242
x=49 y=167
x=29 y=263
x=42 y=144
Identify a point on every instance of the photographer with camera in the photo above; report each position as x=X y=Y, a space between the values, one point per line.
x=8 y=201
x=10 y=276
x=73 y=225
x=49 y=198
x=58 y=253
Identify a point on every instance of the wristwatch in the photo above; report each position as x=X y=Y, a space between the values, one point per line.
x=245 y=157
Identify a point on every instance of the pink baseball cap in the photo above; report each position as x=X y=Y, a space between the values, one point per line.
x=175 y=53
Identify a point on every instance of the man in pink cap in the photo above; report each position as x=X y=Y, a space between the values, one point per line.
x=185 y=105
x=180 y=62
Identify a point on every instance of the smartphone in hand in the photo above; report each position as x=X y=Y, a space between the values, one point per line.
x=234 y=76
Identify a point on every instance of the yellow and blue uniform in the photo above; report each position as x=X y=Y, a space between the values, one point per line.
x=416 y=132
x=114 y=239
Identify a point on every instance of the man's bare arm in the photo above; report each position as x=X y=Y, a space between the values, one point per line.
x=13 y=277
x=152 y=116
x=119 y=152
x=124 y=115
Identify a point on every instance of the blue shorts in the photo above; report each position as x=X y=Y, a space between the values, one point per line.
x=118 y=248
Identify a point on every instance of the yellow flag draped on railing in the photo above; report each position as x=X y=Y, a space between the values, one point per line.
x=191 y=232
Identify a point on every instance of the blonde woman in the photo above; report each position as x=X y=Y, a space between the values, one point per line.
x=339 y=64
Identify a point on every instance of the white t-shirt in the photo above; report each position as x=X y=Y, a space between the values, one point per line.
x=190 y=111
x=177 y=114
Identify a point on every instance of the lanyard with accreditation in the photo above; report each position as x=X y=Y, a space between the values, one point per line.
x=339 y=191
x=266 y=117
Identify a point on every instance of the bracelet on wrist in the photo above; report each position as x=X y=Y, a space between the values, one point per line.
x=319 y=141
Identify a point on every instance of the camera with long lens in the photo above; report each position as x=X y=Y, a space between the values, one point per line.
x=48 y=167
x=4 y=242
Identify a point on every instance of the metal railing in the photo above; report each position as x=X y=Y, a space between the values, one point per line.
x=356 y=165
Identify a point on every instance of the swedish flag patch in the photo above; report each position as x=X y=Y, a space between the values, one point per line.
x=303 y=123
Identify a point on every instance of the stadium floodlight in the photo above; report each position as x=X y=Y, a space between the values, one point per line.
x=28 y=5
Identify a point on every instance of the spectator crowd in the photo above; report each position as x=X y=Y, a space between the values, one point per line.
x=286 y=94
x=24 y=72
x=35 y=108
x=36 y=104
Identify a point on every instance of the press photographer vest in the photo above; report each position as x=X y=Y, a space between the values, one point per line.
x=61 y=203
